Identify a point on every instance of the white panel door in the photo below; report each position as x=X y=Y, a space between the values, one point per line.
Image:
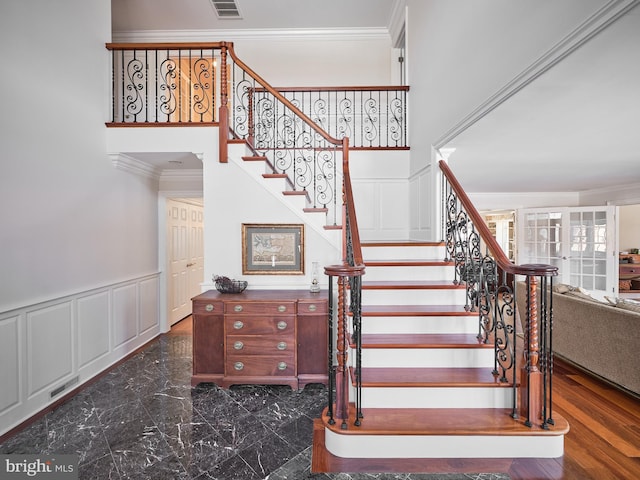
x=195 y=252
x=185 y=257
x=580 y=241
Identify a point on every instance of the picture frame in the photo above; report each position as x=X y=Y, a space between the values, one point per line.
x=272 y=249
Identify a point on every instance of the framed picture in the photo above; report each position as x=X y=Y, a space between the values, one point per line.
x=272 y=249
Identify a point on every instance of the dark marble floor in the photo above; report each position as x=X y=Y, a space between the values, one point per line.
x=143 y=420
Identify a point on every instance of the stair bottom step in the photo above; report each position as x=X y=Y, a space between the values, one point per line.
x=443 y=433
x=323 y=461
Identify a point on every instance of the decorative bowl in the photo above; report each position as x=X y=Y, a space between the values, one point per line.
x=228 y=285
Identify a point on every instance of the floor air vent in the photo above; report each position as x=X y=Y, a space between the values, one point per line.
x=226 y=9
x=62 y=388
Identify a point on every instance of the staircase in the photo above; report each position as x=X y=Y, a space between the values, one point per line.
x=428 y=390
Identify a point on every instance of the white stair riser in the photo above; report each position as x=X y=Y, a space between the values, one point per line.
x=430 y=272
x=444 y=324
x=413 y=297
x=417 y=358
x=403 y=252
x=437 y=397
x=444 y=446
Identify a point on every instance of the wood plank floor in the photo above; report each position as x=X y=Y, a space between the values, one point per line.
x=603 y=442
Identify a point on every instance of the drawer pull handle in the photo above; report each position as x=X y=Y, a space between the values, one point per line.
x=238 y=365
x=238 y=324
x=313 y=307
x=282 y=366
x=282 y=325
x=282 y=308
x=237 y=308
x=282 y=346
x=209 y=307
x=238 y=345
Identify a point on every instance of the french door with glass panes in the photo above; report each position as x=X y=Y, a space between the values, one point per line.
x=580 y=241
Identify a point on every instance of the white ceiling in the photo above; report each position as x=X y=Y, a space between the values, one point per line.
x=574 y=128
x=130 y=15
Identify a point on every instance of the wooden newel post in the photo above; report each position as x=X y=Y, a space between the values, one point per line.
x=531 y=389
x=223 y=127
x=342 y=369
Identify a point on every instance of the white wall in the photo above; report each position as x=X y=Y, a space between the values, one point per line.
x=235 y=193
x=66 y=209
x=78 y=241
x=301 y=62
x=629 y=221
x=459 y=54
x=283 y=59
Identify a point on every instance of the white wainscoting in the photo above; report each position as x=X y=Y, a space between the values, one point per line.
x=382 y=207
x=50 y=348
x=423 y=206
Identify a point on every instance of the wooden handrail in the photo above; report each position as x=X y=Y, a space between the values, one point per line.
x=351 y=208
x=164 y=46
x=483 y=231
x=279 y=96
x=387 y=88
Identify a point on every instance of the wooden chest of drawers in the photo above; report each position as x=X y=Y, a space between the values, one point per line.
x=260 y=337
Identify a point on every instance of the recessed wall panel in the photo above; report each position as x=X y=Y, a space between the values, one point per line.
x=9 y=363
x=49 y=345
x=364 y=194
x=124 y=318
x=149 y=317
x=426 y=202
x=93 y=327
x=394 y=208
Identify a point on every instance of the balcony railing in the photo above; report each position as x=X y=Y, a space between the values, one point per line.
x=372 y=117
x=161 y=84
x=156 y=84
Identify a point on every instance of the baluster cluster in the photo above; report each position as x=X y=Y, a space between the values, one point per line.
x=164 y=85
x=487 y=292
x=370 y=117
x=491 y=289
x=291 y=145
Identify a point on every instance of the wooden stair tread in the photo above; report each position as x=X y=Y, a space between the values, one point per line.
x=254 y=158
x=275 y=175
x=422 y=340
x=413 y=262
x=411 y=285
x=443 y=421
x=315 y=210
x=401 y=243
x=430 y=377
x=294 y=192
x=414 y=310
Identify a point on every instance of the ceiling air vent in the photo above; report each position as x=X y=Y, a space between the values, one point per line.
x=226 y=9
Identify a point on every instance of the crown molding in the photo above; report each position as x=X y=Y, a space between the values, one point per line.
x=251 y=34
x=628 y=189
x=183 y=173
x=397 y=21
x=132 y=165
x=601 y=19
